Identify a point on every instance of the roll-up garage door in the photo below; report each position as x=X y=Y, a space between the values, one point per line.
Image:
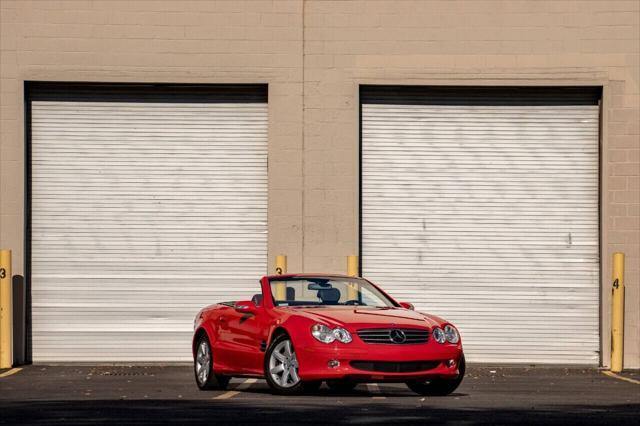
x=481 y=206
x=145 y=207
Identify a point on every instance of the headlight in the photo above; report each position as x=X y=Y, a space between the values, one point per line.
x=327 y=335
x=323 y=333
x=438 y=335
x=342 y=335
x=451 y=334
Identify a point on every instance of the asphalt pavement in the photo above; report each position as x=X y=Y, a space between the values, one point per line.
x=120 y=395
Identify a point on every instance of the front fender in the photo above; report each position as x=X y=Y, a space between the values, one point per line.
x=203 y=324
x=298 y=328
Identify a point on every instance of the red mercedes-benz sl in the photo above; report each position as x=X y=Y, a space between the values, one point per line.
x=303 y=329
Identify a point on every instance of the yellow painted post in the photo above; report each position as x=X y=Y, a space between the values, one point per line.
x=617 y=313
x=352 y=266
x=6 y=313
x=281 y=268
x=352 y=271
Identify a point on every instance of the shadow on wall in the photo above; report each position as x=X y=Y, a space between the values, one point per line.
x=21 y=321
x=255 y=412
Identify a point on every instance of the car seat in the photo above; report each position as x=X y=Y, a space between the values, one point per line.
x=291 y=294
x=329 y=296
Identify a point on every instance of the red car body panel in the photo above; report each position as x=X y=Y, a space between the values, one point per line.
x=239 y=340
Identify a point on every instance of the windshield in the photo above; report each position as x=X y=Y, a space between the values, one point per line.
x=323 y=291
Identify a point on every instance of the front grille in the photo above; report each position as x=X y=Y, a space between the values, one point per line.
x=394 y=367
x=390 y=336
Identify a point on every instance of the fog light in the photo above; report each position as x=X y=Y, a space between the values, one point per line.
x=333 y=363
x=451 y=363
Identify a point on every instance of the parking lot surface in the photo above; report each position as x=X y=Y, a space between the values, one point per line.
x=93 y=395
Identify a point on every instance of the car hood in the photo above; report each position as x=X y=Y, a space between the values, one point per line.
x=365 y=316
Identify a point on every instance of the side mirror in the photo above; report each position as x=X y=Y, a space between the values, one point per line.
x=246 y=306
x=407 y=305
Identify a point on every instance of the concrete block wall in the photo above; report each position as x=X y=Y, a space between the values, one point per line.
x=314 y=54
x=158 y=41
x=470 y=43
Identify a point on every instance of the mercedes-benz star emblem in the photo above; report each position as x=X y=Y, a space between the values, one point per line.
x=397 y=336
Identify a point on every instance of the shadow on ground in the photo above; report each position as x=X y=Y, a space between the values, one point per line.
x=99 y=412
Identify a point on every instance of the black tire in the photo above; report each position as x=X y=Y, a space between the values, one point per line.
x=297 y=389
x=210 y=380
x=340 y=385
x=439 y=387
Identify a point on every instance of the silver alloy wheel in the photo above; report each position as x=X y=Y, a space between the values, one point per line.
x=203 y=361
x=283 y=365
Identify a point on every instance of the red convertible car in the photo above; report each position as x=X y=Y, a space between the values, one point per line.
x=301 y=330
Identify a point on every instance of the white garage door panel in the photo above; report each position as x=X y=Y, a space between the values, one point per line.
x=142 y=213
x=488 y=216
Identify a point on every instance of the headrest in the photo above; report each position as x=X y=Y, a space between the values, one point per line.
x=291 y=293
x=329 y=295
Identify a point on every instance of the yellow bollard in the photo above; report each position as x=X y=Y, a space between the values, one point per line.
x=6 y=313
x=352 y=271
x=281 y=268
x=617 y=313
x=352 y=266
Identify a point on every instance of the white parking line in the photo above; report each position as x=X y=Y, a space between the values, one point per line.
x=375 y=390
x=626 y=379
x=244 y=385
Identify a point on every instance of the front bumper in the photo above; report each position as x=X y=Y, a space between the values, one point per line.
x=364 y=362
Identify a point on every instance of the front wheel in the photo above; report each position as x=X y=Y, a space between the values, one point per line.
x=437 y=386
x=206 y=379
x=281 y=369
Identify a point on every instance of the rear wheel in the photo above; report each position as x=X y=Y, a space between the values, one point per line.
x=206 y=378
x=338 y=385
x=437 y=386
x=281 y=369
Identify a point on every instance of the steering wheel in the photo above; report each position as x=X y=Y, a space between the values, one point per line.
x=353 y=302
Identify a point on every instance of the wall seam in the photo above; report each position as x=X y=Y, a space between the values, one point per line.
x=304 y=110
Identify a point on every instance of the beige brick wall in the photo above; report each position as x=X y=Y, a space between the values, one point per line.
x=314 y=54
x=158 y=41
x=469 y=42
